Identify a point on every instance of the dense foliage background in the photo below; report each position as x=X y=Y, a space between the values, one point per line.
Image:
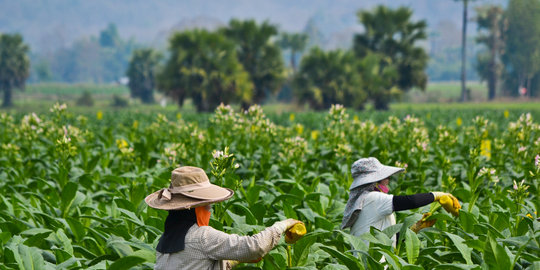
x=73 y=185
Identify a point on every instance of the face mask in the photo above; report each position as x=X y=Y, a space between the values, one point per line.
x=203 y=215
x=382 y=188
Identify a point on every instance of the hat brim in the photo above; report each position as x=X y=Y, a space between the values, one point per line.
x=180 y=201
x=212 y=192
x=376 y=176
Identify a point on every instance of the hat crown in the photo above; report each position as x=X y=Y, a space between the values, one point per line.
x=365 y=165
x=188 y=175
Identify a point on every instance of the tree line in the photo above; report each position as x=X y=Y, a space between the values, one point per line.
x=510 y=62
x=243 y=62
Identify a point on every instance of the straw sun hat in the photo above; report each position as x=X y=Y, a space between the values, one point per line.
x=370 y=170
x=189 y=188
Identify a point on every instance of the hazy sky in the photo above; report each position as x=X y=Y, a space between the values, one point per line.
x=148 y=20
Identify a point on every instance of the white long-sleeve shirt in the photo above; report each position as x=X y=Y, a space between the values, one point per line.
x=377 y=212
x=208 y=248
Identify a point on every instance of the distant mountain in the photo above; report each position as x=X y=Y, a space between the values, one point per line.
x=201 y=21
x=49 y=24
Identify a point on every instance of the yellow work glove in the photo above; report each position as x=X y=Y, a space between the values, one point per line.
x=295 y=232
x=423 y=223
x=448 y=202
x=292 y=228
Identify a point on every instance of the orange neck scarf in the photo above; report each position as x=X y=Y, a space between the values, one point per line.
x=203 y=216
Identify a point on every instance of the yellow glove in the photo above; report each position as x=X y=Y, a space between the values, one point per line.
x=448 y=202
x=286 y=224
x=295 y=232
x=231 y=264
x=423 y=223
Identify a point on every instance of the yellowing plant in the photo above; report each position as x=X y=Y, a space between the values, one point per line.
x=485 y=149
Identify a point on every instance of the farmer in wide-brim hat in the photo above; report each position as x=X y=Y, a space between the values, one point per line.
x=369 y=205
x=188 y=242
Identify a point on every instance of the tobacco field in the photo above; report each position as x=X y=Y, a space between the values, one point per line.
x=72 y=186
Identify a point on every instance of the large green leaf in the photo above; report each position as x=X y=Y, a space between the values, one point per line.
x=68 y=194
x=412 y=246
x=119 y=246
x=78 y=230
x=461 y=246
x=126 y=263
x=350 y=261
x=457 y=266
x=31 y=258
x=467 y=221
x=495 y=255
x=302 y=247
x=334 y=267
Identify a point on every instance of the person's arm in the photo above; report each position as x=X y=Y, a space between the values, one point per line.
x=407 y=202
x=218 y=245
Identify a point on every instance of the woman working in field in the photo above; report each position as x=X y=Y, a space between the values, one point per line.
x=369 y=205
x=188 y=242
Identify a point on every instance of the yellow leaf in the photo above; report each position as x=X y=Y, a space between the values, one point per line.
x=121 y=143
x=299 y=129
x=99 y=115
x=314 y=134
x=459 y=121
x=291 y=117
x=506 y=113
x=485 y=149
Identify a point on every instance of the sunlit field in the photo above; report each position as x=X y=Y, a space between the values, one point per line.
x=74 y=183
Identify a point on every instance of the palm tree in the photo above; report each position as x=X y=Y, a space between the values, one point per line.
x=203 y=65
x=14 y=65
x=489 y=65
x=329 y=77
x=392 y=36
x=260 y=57
x=142 y=73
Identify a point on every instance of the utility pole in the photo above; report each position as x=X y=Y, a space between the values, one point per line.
x=463 y=53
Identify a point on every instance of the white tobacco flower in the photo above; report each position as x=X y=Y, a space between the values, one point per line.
x=483 y=171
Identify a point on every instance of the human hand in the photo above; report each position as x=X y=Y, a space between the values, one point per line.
x=438 y=195
x=286 y=224
x=291 y=222
x=233 y=263
x=448 y=202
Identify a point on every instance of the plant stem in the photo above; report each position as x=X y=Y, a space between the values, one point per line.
x=289 y=257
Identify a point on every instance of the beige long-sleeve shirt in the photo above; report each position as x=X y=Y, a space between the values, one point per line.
x=208 y=248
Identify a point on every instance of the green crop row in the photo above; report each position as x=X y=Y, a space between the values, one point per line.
x=75 y=89
x=72 y=186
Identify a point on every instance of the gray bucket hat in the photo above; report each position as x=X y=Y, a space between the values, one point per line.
x=370 y=170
